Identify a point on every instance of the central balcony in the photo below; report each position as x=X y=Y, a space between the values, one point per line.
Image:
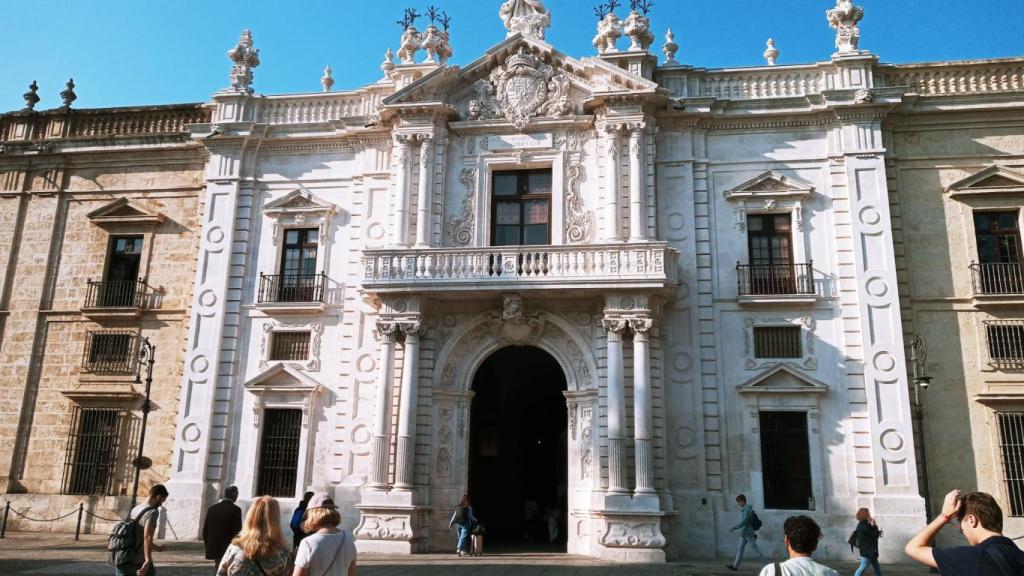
x=648 y=265
x=291 y=293
x=114 y=299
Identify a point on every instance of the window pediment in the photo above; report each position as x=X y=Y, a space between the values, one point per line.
x=282 y=379
x=124 y=211
x=770 y=186
x=298 y=202
x=782 y=380
x=995 y=180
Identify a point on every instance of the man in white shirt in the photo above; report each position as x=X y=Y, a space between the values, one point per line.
x=802 y=535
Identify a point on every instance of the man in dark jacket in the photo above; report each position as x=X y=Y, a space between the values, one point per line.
x=223 y=522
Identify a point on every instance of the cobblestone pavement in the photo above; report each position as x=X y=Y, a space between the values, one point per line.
x=59 y=554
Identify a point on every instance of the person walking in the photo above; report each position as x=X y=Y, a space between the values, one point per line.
x=865 y=538
x=802 y=536
x=223 y=522
x=748 y=526
x=981 y=521
x=146 y=516
x=296 y=522
x=464 y=519
x=326 y=550
x=260 y=550
x=476 y=532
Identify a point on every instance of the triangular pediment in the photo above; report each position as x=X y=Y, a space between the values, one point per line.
x=770 y=184
x=782 y=380
x=282 y=378
x=298 y=201
x=992 y=181
x=124 y=211
x=519 y=73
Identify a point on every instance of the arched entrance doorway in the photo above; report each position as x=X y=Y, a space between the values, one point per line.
x=518 y=450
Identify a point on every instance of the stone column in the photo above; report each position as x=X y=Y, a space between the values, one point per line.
x=426 y=190
x=611 y=183
x=407 y=408
x=616 y=407
x=385 y=374
x=400 y=233
x=642 y=419
x=637 y=200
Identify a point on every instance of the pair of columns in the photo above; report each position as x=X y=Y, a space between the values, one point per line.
x=406 y=445
x=643 y=433
x=637 y=190
x=403 y=145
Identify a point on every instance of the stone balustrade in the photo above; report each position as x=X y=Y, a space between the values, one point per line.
x=647 y=264
x=317 y=108
x=955 y=77
x=101 y=122
x=754 y=83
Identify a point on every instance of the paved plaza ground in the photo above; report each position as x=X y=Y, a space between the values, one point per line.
x=59 y=554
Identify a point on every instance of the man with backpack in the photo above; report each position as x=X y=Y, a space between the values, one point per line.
x=131 y=541
x=748 y=526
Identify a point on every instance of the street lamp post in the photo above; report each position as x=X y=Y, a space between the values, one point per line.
x=918 y=359
x=147 y=356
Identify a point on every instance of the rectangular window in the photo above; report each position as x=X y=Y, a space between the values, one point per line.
x=93 y=440
x=785 y=460
x=279 y=452
x=120 y=284
x=293 y=346
x=521 y=213
x=298 y=266
x=1011 y=448
x=110 y=352
x=769 y=239
x=997 y=235
x=1005 y=340
x=778 y=342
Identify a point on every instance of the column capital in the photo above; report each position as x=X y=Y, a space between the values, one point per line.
x=615 y=128
x=387 y=330
x=641 y=326
x=614 y=325
x=412 y=329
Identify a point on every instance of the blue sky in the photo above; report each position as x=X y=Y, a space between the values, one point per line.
x=127 y=52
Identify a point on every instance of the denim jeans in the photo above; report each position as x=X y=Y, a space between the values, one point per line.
x=864 y=566
x=744 y=540
x=463 y=545
x=132 y=570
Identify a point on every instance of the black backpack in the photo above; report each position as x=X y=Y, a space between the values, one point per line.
x=852 y=541
x=755 y=522
x=124 y=540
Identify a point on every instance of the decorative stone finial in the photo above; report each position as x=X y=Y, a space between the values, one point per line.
x=609 y=27
x=670 y=47
x=31 y=98
x=526 y=17
x=638 y=26
x=389 y=62
x=412 y=40
x=435 y=40
x=771 y=53
x=843 y=19
x=245 y=58
x=327 y=80
x=67 y=96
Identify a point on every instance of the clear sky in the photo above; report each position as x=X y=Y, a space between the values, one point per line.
x=127 y=52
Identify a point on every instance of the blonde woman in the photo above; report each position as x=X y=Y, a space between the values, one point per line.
x=260 y=549
x=326 y=550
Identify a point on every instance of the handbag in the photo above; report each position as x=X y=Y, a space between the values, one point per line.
x=478 y=529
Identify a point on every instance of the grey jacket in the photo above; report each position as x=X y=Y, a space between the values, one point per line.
x=463 y=516
x=746 y=524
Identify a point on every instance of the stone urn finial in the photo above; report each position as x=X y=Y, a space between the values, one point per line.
x=244 y=58
x=609 y=27
x=67 y=96
x=389 y=62
x=31 y=98
x=844 y=19
x=771 y=53
x=638 y=26
x=670 y=47
x=327 y=80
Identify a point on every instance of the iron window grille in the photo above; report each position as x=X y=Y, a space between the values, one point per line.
x=279 y=452
x=110 y=352
x=1005 y=342
x=289 y=346
x=785 y=460
x=1011 y=449
x=778 y=342
x=92 y=450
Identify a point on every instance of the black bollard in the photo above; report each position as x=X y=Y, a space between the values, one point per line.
x=78 y=525
x=3 y=523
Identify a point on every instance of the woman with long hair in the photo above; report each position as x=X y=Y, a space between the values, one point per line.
x=260 y=549
x=865 y=538
x=326 y=550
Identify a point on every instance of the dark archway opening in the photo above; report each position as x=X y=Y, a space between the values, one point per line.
x=518 y=451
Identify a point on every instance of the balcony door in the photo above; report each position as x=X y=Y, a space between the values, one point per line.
x=120 y=282
x=999 y=252
x=298 y=265
x=521 y=208
x=770 y=240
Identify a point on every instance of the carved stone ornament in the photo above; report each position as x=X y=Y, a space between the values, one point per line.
x=245 y=58
x=609 y=30
x=844 y=19
x=436 y=43
x=643 y=534
x=863 y=96
x=771 y=53
x=670 y=47
x=460 y=229
x=638 y=28
x=578 y=221
x=526 y=17
x=384 y=527
x=409 y=45
x=521 y=89
x=513 y=325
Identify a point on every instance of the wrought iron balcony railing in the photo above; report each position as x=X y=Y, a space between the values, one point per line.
x=775 y=279
x=291 y=288
x=115 y=294
x=993 y=279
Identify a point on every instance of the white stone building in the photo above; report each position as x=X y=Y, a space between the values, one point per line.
x=616 y=289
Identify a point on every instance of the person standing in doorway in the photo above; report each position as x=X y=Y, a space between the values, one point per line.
x=326 y=550
x=464 y=520
x=748 y=526
x=223 y=522
x=260 y=550
x=146 y=516
x=865 y=537
x=802 y=536
x=296 y=522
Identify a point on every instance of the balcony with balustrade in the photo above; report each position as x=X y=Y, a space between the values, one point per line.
x=776 y=284
x=639 y=266
x=291 y=293
x=115 y=299
x=995 y=284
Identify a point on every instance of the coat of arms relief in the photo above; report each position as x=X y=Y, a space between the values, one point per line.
x=521 y=89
